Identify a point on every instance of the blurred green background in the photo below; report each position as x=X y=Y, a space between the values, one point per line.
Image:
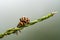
x=12 y=10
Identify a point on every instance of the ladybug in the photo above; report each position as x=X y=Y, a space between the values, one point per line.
x=23 y=20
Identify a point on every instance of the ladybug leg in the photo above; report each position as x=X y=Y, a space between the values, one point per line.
x=16 y=32
x=20 y=31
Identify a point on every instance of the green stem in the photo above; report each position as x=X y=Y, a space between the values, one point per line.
x=14 y=30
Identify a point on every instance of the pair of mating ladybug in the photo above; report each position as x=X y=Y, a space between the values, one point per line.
x=24 y=20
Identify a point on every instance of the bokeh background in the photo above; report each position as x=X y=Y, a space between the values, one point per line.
x=12 y=10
